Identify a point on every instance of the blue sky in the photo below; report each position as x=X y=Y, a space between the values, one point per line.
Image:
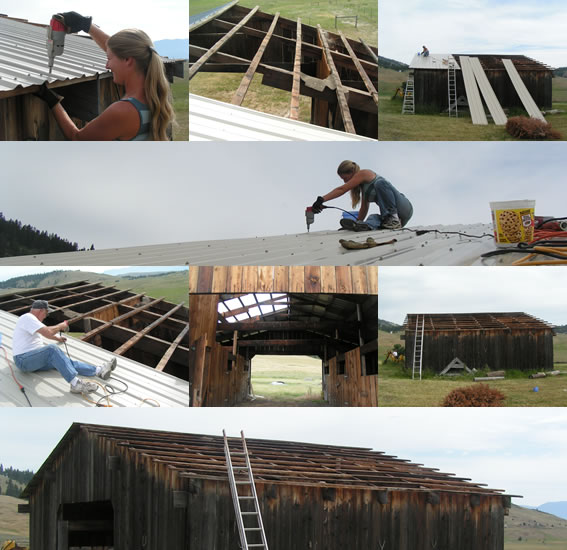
x=520 y=450
x=108 y=196
x=534 y=29
x=164 y=19
x=541 y=292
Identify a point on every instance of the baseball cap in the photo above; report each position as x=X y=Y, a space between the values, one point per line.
x=41 y=304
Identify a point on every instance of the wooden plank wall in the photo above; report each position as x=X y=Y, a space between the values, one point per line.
x=351 y=389
x=308 y=279
x=223 y=387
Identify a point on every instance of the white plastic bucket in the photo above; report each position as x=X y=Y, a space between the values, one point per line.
x=513 y=222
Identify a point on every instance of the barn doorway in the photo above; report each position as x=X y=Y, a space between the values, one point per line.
x=85 y=526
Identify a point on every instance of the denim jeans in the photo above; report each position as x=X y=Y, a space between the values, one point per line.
x=51 y=357
x=390 y=201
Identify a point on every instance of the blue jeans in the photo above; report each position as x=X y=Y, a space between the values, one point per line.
x=51 y=357
x=390 y=201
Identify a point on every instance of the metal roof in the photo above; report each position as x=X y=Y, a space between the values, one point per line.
x=195 y=21
x=213 y=120
x=476 y=321
x=146 y=386
x=23 y=57
x=315 y=248
x=433 y=61
x=279 y=462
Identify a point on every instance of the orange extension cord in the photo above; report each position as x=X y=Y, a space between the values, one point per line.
x=22 y=389
x=544 y=235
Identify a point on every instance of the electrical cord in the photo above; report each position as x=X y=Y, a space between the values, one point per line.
x=22 y=389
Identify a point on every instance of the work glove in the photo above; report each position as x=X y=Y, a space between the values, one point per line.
x=76 y=22
x=318 y=205
x=49 y=96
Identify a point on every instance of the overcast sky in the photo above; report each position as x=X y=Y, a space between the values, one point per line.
x=152 y=193
x=163 y=19
x=541 y=292
x=520 y=450
x=534 y=29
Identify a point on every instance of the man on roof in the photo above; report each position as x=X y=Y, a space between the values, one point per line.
x=425 y=52
x=31 y=355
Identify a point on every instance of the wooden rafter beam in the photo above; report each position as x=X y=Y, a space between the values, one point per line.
x=167 y=355
x=91 y=334
x=247 y=78
x=295 y=89
x=314 y=325
x=203 y=59
x=135 y=339
x=100 y=309
x=341 y=97
x=365 y=78
x=244 y=309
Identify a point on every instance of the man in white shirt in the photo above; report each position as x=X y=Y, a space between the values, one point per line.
x=30 y=353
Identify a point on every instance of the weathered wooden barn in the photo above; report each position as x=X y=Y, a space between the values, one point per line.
x=431 y=75
x=340 y=75
x=127 y=489
x=237 y=312
x=494 y=340
x=79 y=75
x=151 y=331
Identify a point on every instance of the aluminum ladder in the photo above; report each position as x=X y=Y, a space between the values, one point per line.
x=409 y=105
x=418 y=347
x=240 y=475
x=452 y=88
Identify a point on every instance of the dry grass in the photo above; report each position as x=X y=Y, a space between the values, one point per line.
x=13 y=525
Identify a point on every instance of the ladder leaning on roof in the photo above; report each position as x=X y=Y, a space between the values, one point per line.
x=241 y=475
x=409 y=105
x=452 y=88
x=418 y=347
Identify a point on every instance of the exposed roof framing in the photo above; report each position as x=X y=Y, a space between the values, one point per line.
x=309 y=324
x=476 y=321
x=339 y=74
x=150 y=331
x=277 y=462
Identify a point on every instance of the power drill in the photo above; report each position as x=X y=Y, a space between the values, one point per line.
x=55 y=39
x=310 y=215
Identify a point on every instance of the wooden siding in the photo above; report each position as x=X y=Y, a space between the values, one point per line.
x=351 y=388
x=308 y=279
x=497 y=349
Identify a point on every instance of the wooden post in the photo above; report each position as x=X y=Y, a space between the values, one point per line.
x=294 y=108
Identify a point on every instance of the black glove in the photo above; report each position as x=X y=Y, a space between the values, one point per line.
x=318 y=205
x=76 y=22
x=49 y=96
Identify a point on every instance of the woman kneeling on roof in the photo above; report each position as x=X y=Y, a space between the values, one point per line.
x=145 y=111
x=395 y=209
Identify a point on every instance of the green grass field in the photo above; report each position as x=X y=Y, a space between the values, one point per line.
x=221 y=86
x=173 y=286
x=397 y=389
x=394 y=126
x=179 y=90
x=301 y=376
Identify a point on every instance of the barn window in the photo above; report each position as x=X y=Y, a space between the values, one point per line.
x=341 y=364
x=86 y=524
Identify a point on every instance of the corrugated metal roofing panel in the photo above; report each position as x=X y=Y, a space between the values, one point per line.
x=316 y=248
x=433 y=61
x=473 y=96
x=488 y=93
x=23 y=56
x=212 y=120
x=198 y=20
x=525 y=96
x=49 y=389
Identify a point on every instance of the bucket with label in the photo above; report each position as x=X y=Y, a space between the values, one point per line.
x=513 y=222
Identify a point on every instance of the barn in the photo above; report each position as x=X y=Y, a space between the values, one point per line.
x=494 y=340
x=125 y=488
x=431 y=80
x=237 y=312
x=79 y=75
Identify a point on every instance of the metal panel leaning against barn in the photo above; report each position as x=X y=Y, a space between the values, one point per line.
x=154 y=489
x=238 y=312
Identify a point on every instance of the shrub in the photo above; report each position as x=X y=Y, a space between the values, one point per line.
x=522 y=127
x=479 y=395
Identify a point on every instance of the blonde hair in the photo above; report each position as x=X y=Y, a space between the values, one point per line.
x=137 y=44
x=350 y=167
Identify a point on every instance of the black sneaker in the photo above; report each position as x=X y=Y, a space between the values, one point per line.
x=391 y=222
x=348 y=223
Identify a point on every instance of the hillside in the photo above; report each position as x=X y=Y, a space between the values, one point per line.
x=385 y=63
x=13 y=525
x=387 y=326
x=532 y=529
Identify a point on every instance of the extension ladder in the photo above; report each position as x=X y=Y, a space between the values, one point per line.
x=409 y=106
x=452 y=88
x=240 y=475
x=418 y=347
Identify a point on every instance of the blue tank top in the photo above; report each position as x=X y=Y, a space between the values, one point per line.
x=144 y=133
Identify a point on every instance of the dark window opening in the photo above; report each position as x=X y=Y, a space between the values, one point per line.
x=341 y=366
x=371 y=363
x=86 y=524
x=229 y=365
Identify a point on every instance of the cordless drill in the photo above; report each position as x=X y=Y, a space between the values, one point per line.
x=55 y=39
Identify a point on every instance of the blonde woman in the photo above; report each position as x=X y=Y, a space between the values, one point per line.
x=365 y=186
x=145 y=111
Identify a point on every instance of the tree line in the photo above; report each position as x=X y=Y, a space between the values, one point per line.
x=17 y=239
x=16 y=478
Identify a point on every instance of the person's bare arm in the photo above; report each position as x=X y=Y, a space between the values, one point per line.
x=99 y=36
x=363 y=211
x=51 y=332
